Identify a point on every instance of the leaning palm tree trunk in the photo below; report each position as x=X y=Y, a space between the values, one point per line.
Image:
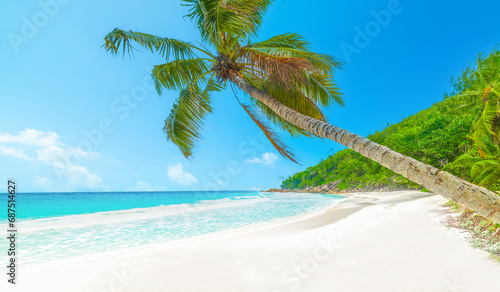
x=486 y=203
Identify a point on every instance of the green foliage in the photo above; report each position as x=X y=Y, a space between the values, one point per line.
x=477 y=91
x=183 y=124
x=484 y=167
x=164 y=46
x=216 y=19
x=178 y=74
x=429 y=136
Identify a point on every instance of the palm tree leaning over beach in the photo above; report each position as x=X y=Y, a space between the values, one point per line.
x=285 y=83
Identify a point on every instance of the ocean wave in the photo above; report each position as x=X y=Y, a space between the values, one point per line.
x=55 y=262
x=137 y=214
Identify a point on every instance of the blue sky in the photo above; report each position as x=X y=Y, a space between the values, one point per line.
x=75 y=118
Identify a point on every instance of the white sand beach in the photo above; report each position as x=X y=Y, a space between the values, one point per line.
x=370 y=242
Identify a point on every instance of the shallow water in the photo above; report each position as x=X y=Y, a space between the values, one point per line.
x=63 y=225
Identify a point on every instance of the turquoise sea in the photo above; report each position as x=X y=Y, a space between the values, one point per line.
x=55 y=226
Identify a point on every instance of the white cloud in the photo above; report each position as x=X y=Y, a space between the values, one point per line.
x=62 y=158
x=77 y=152
x=44 y=183
x=178 y=175
x=145 y=187
x=31 y=137
x=9 y=151
x=54 y=156
x=78 y=177
x=268 y=158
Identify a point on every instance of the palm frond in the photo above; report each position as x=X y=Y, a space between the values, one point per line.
x=292 y=45
x=293 y=98
x=164 y=46
x=487 y=171
x=467 y=160
x=477 y=169
x=490 y=149
x=217 y=19
x=283 y=71
x=322 y=90
x=477 y=92
x=491 y=117
x=462 y=103
x=484 y=170
x=272 y=116
x=178 y=74
x=285 y=61
x=487 y=126
x=286 y=40
x=271 y=135
x=480 y=82
x=184 y=123
x=492 y=176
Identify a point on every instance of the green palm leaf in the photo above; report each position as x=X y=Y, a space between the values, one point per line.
x=183 y=125
x=291 y=46
x=467 y=160
x=286 y=62
x=293 y=98
x=493 y=176
x=480 y=179
x=179 y=74
x=218 y=18
x=270 y=134
x=164 y=46
x=478 y=91
x=488 y=124
x=483 y=169
x=322 y=90
x=286 y=40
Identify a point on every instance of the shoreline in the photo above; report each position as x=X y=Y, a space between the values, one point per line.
x=331 y=189
x=58 y=264
x=356 y=245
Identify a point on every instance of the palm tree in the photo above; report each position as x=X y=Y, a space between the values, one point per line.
x=285 y=82
x=485 y=169
x=478 y=92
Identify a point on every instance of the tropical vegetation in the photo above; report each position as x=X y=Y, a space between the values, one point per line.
x=459 y=134
x=428 y=136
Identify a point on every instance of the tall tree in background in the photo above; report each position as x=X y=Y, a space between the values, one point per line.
x=477 y=91
x=285 y=83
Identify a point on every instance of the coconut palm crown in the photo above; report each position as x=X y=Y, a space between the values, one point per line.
x=282 y=66
x=286 y=83
x=478 y=92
